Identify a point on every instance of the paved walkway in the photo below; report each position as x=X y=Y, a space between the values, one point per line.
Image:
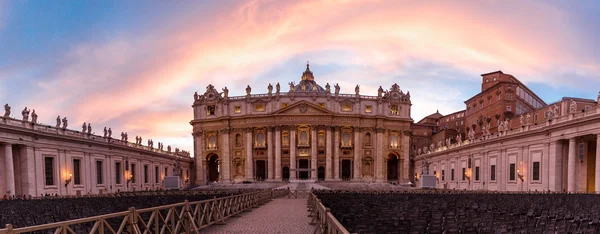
x=281 y=215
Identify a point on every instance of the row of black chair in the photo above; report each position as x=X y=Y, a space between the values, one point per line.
x=433 y=211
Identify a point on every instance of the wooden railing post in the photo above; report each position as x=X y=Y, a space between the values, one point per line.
x=133 y=227
x=9 y=229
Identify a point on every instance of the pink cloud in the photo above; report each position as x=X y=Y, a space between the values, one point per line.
x=106 y=80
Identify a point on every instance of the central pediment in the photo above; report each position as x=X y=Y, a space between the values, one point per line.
x=303 y=108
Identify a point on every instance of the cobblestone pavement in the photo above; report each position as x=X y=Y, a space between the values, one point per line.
x=281 y=215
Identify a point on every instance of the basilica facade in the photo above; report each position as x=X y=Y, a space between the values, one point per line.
x=310 y=132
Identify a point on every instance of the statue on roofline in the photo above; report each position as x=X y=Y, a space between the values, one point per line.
x=6 y=110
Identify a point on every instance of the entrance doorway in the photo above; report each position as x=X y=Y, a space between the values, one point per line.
x=392 y=167
x=303 y=164
x=286 y=173
x=213 y=168
x=261 y=172
x=346 y=169
x=321 y=173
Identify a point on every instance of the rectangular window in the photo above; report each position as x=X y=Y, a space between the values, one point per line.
x=210 y=110
x=476 y=173
x=493 y=173
x=452 y=174
x=443 y=175
x=166 y=174
x=99 y=175
x=156 y=175
x=259 y=107
x=464 y=173
x=146 y=174
x=368 y=109
x=49 y=166
x=77 y=171
x=536 y=170
x=511 y=171
x=346 y=107
x=133 y=173
x=118 y=172
x=394 y=110
x=237 y=109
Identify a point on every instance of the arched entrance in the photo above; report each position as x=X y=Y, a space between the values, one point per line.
x=392 y=167
x=286 y=173
x=321 y=173
x=213 y=167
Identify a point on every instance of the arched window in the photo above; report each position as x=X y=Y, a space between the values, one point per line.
x=346 y=138
x=304 y=138
x=238 y=139
x=212 y=142
x=260 y=139
x=394 y=141
x=368 y=138
x=321 y=138
x=285 y=136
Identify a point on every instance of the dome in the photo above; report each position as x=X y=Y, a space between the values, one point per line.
x=308 y=84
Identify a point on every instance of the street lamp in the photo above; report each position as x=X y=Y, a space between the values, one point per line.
x=68 y=181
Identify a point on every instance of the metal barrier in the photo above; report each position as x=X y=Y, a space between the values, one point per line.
x=185 y=217
x=323 y=220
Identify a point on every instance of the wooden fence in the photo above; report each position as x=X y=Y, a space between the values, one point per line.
x=323 y=220
x=185 y=217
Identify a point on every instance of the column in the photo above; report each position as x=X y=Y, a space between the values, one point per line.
x=328 y=155
x=249 y=161
x=571 y=187
x=278 y=153
x=405 y=157
x=597 y=176
x=379 y=156
x=270 y=161
x=224 y=163
x=9 y=170
x=27 y=156
x=198 y=157
x=336 y=154
x=357 y=162
x=293 y=152
x=313 y=153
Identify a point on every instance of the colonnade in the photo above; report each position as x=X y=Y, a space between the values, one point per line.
x=275 y=145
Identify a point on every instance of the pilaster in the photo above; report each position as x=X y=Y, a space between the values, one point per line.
x=328 y=155
x=313 y=152
x=249 y=158
x=225 y=162
x=293 y=153
x=357 y=162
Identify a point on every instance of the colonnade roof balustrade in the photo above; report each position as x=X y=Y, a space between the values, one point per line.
x=593 y=114
x=38 y=130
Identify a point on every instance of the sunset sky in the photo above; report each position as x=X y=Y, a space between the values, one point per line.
x=135 y=65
